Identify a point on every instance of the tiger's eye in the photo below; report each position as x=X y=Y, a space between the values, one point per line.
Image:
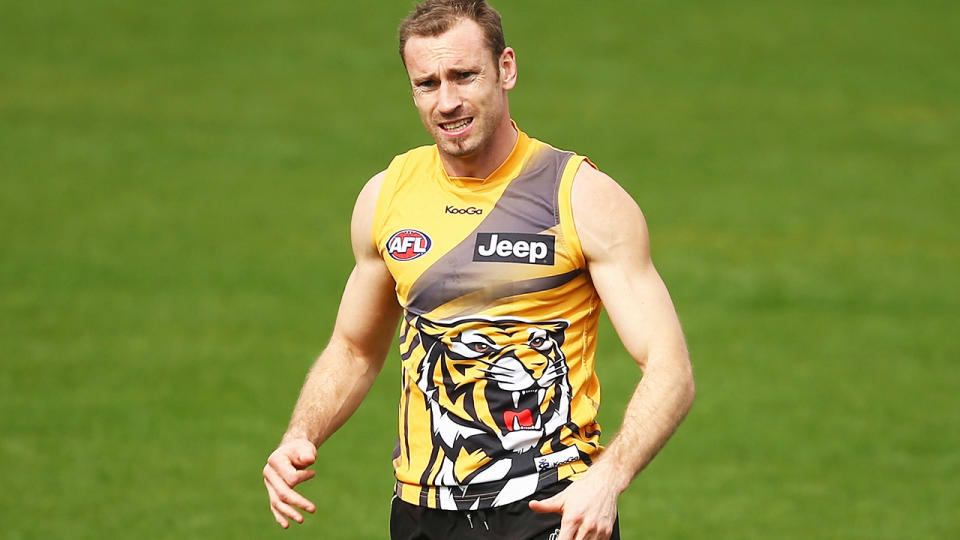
x=479 y=347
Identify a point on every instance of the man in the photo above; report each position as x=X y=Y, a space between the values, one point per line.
x=494 y=252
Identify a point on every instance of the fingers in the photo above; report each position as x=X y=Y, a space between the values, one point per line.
x=282 y=472
x=285 y=493
x=282 y=461
x=578 y=522
x=283 y=499
x=571 y=532
x=553 y=505
x=589 y=510
x=290 y=475
x=567 y=531
x=582 y=528
x=281 y=510
x=274 y=503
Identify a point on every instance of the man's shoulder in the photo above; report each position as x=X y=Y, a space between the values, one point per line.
x=592 y=184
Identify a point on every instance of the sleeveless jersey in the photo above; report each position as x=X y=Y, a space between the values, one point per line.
x=499 y=395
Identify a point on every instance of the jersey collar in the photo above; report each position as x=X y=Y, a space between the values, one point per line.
x=507 y=170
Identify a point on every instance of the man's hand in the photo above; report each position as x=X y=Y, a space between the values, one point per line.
x=588 y=506
x=286 y=467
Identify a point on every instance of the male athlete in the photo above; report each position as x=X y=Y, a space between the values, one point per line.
x=494 y=252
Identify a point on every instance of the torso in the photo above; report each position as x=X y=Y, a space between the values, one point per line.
x=499 y=394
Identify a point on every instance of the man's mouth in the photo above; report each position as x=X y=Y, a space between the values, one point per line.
x=457 y=126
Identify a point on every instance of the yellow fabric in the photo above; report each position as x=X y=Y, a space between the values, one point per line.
x=499 y=395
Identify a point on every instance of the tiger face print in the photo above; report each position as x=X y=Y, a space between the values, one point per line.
x=498 y=395
x=514 y=373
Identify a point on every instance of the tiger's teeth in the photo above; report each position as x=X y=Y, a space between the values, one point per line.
x=540 y=393
x=516 y=399
x=537 y=426
x=516 y=424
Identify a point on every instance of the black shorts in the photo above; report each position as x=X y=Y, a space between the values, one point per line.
x=514 y=521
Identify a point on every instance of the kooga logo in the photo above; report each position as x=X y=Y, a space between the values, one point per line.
x=473 y=210
x=514 y=248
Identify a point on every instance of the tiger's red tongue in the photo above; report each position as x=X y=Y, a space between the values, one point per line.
x=515 y=420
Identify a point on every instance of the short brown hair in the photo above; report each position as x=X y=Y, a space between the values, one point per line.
x=434 y=17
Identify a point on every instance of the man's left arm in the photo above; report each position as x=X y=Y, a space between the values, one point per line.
x=614 y=239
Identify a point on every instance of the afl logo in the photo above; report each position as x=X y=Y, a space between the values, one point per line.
x=408 y=244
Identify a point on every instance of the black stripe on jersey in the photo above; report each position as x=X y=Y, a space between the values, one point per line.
x=413 y=346
x=406 y=415
x=425 y=477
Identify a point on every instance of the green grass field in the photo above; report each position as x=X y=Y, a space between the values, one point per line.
x=176 y=180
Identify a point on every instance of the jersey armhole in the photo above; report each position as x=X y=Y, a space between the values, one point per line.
x=565 y=202
x=384 y=198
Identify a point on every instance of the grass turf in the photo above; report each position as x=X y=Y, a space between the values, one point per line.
x=175 y=186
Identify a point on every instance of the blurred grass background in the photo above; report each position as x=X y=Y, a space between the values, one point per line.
x=176 y=180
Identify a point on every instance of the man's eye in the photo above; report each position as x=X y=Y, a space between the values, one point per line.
x=466 y=75
x=426 y=84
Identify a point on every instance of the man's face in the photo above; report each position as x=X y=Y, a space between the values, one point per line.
x=458 y=88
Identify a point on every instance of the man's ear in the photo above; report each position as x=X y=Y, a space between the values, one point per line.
x=508 y=69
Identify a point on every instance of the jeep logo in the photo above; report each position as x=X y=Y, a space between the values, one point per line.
x=473 y=210
x=514 y=248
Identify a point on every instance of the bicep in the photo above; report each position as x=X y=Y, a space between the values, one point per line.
x=369 y=312
x=614 y=238
x=639 y=307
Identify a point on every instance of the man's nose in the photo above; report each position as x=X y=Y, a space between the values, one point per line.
x=449 y=98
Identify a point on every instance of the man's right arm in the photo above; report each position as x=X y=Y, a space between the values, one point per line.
x=342 y=375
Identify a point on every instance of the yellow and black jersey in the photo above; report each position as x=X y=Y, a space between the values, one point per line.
x=499 y=395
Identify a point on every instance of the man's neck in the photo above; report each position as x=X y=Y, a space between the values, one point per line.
x=482 y=163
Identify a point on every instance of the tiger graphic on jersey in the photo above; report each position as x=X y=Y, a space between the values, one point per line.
x=498 y=395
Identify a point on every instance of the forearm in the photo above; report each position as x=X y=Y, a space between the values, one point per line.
x=658 y=405
x=333 y=390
